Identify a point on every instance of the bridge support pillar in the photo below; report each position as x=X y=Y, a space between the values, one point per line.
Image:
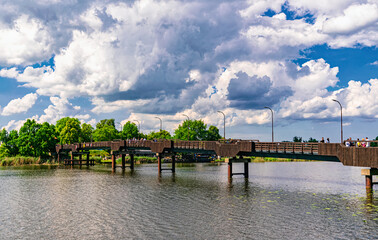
x=123 y=162
x=87 y=160
x=246 y=169
x=159 y=162
x=369 y=173
x=113 y=162
x=173 y=163
x=72 y=159
x=229 y=168
x=132 y=161
x=80 y=160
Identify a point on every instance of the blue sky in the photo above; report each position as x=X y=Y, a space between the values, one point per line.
x=139 y=59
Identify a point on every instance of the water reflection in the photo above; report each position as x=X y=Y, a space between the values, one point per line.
x=279 y=201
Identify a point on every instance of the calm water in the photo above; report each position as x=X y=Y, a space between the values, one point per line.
x=292 y=200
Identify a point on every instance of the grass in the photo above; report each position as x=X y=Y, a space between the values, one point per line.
x=20 y=160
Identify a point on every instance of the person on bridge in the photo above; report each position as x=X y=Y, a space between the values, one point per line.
x=328 y=141
x=367 y=142
x=358 y=144
x=322 y=141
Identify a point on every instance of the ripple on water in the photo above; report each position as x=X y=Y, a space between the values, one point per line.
x=280 y=201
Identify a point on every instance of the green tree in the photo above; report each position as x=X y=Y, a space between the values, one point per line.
x=162 y=134
x=297 y=139
x=3 y=135
x=69 y=130
x=130 y=130
x=312 y=140
x=213 y=134
x=27 y=141
x=47 y=140
x=105 y=131
x=86 y=132
x=12 y=143
x=4 y=152
x=9 y=142
x=197 y=130
x=373 y=144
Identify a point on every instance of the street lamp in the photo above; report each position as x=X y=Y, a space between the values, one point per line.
x=224 y=124
x=272 y=122
x=188 y=124
x=341 y=118
x=161 y=123
x=138 y=124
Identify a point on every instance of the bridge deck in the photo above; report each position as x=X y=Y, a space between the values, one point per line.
x=351 y=156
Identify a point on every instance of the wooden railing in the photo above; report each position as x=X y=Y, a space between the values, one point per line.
x=287 y=147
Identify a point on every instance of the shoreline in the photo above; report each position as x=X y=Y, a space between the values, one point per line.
x=27 y=161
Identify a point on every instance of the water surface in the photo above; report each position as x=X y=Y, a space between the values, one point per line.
x=288 y=200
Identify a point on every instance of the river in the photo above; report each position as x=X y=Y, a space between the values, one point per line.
x=280 y=200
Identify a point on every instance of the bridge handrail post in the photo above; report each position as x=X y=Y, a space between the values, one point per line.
x=293 y=148
x=302 y=147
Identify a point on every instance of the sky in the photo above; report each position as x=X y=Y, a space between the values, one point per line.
x=138 y=60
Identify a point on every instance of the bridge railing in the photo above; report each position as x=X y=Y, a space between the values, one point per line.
x=192 y=144
x=287 y=147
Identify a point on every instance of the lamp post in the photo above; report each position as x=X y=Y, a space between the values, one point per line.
x=138 y=124
x=161 y=123
x=188 y=124
x=341 y=119
x=272 y=122
x=224 y=124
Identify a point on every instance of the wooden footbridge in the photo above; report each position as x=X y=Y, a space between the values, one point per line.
x=233 y=150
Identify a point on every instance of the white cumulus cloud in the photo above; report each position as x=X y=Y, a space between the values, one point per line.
x=20 y=105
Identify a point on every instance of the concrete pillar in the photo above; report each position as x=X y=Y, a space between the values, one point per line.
x=369 y=181
x=58 y=158
x=123 y=162
x=369 y=173
x=87 y=159
x=132 y=161
x=230 y=169
x=113 y=162
x=246 y=170
x=159 y=162
x=173 y=163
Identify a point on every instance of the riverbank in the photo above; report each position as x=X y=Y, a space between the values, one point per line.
x=20 y=161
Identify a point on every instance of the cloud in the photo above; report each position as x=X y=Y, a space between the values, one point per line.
x=20 y=105
x=23 y=42
x=354 y=18
x=60 y=108
x=374 y=63
x=144 y=58
x=246 y=92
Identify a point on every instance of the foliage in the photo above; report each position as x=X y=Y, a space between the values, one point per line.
x=27 y=141
x=105 y=131
x=297 y=139
x=45 y=136
x=374 y=144
x=213 y=134
x=162 y=134
x=312 y=140
x=130 y=131
x=69 y=130
x=86 y=132
x=197 y=131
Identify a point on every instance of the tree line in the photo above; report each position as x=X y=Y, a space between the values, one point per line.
x=39 y=139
